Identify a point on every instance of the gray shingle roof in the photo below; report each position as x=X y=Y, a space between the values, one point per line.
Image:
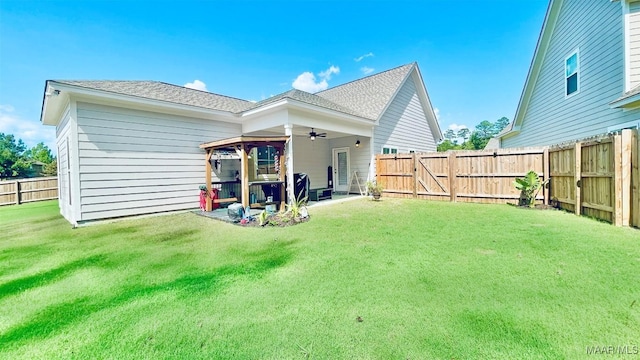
x=369 y=96
x=307 y=98
x=366 y=97
x=156 y=90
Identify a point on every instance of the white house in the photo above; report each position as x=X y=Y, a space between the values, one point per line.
x=584 y=79
x=132 y=147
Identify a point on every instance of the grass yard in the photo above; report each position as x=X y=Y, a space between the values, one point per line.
x=428 y=280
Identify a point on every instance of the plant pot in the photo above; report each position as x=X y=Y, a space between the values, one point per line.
x=376 y=195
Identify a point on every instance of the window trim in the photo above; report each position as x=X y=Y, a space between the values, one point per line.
x=390 y=150
x=575 y=52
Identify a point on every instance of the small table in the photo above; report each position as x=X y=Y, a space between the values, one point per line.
x=320 y=194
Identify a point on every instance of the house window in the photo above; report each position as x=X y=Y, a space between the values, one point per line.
x=389 y=150
x=572 y=69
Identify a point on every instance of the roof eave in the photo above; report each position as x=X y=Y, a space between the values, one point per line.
x=629 y=102
x=536 y=63
x=288 y=103
x=94 y=95
x=428 y=108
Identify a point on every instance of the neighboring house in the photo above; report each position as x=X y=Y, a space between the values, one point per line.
x=132 y=147
x=585 y=76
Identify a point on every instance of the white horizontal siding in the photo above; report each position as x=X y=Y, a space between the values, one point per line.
x=312 y=158
x=404 y=124
x=135 y=162
x=359 y=157
x=551 y=117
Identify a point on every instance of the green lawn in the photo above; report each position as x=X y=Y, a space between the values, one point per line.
x=428 y=280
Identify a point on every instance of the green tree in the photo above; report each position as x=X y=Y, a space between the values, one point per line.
x=500 y=125
x=447 y=145
x=40 y=152
x=13 y=162
x=50 y=169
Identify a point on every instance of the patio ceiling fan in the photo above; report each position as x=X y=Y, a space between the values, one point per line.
x=313 y=135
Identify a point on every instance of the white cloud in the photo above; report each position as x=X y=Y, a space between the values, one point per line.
x=437 y=112
x=326 y=75
x=366 y=70
x=360 y=58
x=29 y=131
x=307 y=80
x=197 y=85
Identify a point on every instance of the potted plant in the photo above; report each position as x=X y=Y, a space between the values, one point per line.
x=374 y=189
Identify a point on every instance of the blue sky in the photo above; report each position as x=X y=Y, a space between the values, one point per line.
x=474 y=55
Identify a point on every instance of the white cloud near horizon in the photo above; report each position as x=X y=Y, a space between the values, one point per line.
x=360 y=58
x=307 y=80
x=456 y=127
x=31 y=132
x=197 y=85
x=366 y=70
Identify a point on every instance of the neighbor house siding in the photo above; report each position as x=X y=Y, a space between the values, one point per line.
x=404 y=125
x=551 y=117
x=63 y=139
x=135 y=162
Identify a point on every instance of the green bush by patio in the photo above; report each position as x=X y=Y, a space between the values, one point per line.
x=394 y=279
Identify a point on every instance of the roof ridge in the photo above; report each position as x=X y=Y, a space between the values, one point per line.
x=71 y=82
x=366 y=77
x=206 y=92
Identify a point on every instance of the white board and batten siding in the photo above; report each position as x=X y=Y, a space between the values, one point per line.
x=634 y=44
x=404 y=124
x=136 y=162
x=551 y=117
x=63 y=142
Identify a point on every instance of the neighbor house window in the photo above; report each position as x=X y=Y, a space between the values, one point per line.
x=572 y=70
x=389 y=150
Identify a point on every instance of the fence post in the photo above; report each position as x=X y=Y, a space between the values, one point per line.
x=17 y=192
x=415 y=177
x=635 y=176
x=453 y=180
x=545 y=171
x=578 y=177
x=625 y=163
x=377 y=169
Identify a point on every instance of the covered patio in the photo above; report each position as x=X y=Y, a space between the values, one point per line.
x=242 y=145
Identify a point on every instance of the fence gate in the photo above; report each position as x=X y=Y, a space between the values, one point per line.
x=396 y=174
x=432 y=176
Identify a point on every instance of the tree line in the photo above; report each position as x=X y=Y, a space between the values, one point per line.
x=465 y=139
x=18 y=161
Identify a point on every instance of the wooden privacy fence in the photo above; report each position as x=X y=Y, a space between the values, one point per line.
x=467 y=176
x=597 y=177
x=28 y=190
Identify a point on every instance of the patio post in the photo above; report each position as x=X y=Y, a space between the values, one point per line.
x=244 y=175
x=209 y=206
x=283 y=168
x=288 y=131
